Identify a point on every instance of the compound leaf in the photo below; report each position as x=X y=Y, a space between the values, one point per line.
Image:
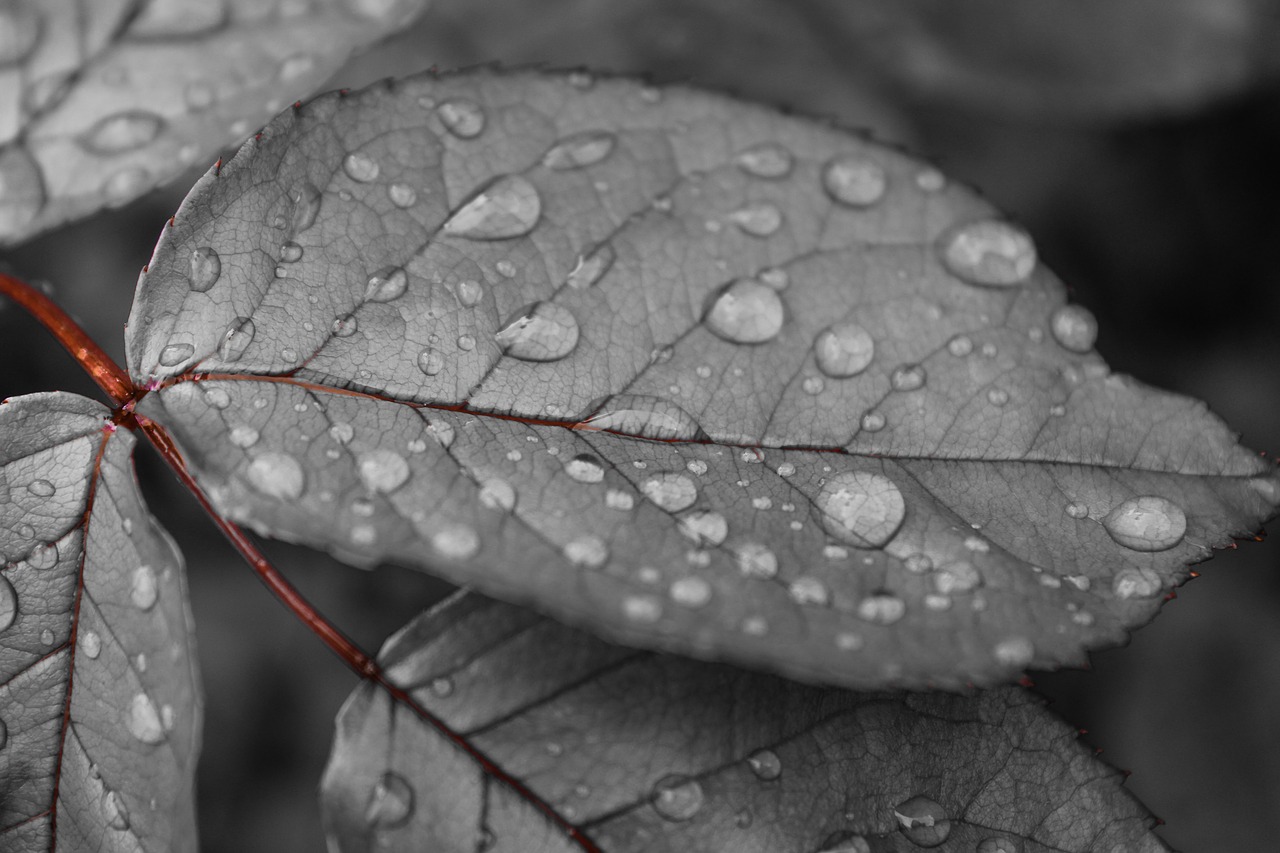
x=657 y=753
x=102 y=101
x=683 y=370
x=99 y=698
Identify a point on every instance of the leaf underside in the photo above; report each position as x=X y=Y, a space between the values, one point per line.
x=656 y=753
x=679 y=369
x=99 y=697
x=102 y=101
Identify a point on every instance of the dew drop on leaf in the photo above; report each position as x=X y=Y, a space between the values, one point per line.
x=243 y=436
x=809 y=591
x=115 y=811
x=908 y=377
x=746 y=312
x=236 y=339
x=342 y=432
x=585 y=468
x=497 y=494
x=296 y=66
x=646 y=417
x=765 y=764
x=1136 y=583
x=91 y=644
x=41 y=488
x=854 y=181
x=691 y=592
x=1146 y=523
x=642 y=608
x=998 y=845
x=390 y=802
x=843 y=350
x=543 y=331
x=206 y=267
x=767 y=160
x=845 y=842
x=989 y=252
x=276 y=475
x=463 y=118
x=704 y=527
x=8 y=603
x=677 y=798
x=1074 y=327
x=757 y=561
x=125 y=185
x=1014 y=651
x=361 y=167
x=386 y=284
x=861 y=508
x=580 y=150
x=619 y=500
x=175 y=354
x=882 y=609
x=960 y=346
x=143 y=720
x=758 y=220
x=456 y=541
x=46 y=637
x=430 y=361
x=306 y=207
x=143 y=590
x=383 y=470
x=960 y=576
x=402 y=195
x=588 y=551
x=508 y=207
x=470 y=293
x=923 y=821
x=997 y=396
x=126 y=131
x=591 y=268
x=670 y=490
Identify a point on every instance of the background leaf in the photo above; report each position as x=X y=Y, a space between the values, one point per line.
x=683 y=370
x=101 y=101
x=655 y=753
x=99 y=700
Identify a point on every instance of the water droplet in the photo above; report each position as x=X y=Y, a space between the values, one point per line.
x=390 y=802
x=463 y=118
x=854 y=181
x=543 y=331
x=90 y=644
x=144 y=589
x=705 y=527
x=360 y=167
x=276 y=475
x=456 y=541
x=115 y=811
x=960 y=346
x=873 y=422
x=691 y=592
x=845 y=842
x=677 y=798
x=175 y=354
x=126 y=131
x=1074 y=327
x=1077 y=510
x=402 y=195
x=442 y=432
x=809 y=591
x=430 y=361
x=766 y=160
x=758 y=220
x=746 y=312
x=997 y=396
x=243 y=436
x=469 y=293
x=670 y=490
x=988 y=252
x=143 y=720
x=998 y=845
x=960 y=576
x=46 y=637
x=642 y=608
x=508 y=207
x=306 y=206
x=296 y=66
x=383 y=470
x=813 y=385
x=8 y=604
x=765 y=764
x=497 y=494
x=386 y=284
x=923 y=821
x=585 y=469
x=588 y=551
x=908 y=377
x=861 y=508
x=580 y=150
x=843 y=350
x=696 y=466
x=344 y=326
x=1136 y=583
x=206 y=267
x=881 y=608
x=1146 y=523
x=236 y=339
x=442 y=687
x=43 y=556
x=646 y=417
x=757 y=561
x=125 y=185
x=41 y=488
x=506 y=269
x=1014 y=651
x=591 y=268
x=342 y=432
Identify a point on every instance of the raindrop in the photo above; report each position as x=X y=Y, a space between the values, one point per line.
x=696 y=466
x=854 y=181
x=470 y=293
x=1077 y=510
x=383 y=470
x=243 y=436
x=813 y=385
x=588 y=551
x=276 y=475
x=497 y=494
x=8 y=603
x=705 y=527
x=997 y=396
x=923 y=821
x=845 y=842
x=508 y=207
x=456 y=541
x=342 y=432
x=46 y=637
x=442 y=432
x=988 y=252
x=115 y=811
x=236 y=339
x=908 y=377
x=580 y=150
x=91 y=644
x=757 y=561
x=758 y=220
x=809 y=591
x=882 y=609
x=216 y=397
x=175 y=354
x=144 y=590
x=543 y=331
x=143 y=720
x=1136 y=583
x=998 y=845
x=677 y=798
x=386 y=284
x=670 y=490
x=298 y=65
x=206 y=266
x=402 y=195
x=463 y=118
x=41 y=488
x=442 y=686
x=591 y=268
x=344 y=326
x=306 y=206
x=642 y=608
x=43 y=556
x=585 y=468
x=430 y=361
x=360 y=167
x=126 y=131
x=691 y=592
x=861 y=508
x=646 y=417
x=1014 y=651
x=765 y=764
x=960 y=346
x=873 y=422
x=390 y=802
x=746 y=312
x=1147 y=523
x=767 y=160
x=843 y=350
x=619 y=500
x=1074 y=327
x=960 y=576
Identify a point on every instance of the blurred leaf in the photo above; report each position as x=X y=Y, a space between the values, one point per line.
x=656 y=753
x=678 y=369
x=101 y=101
x=99 y=700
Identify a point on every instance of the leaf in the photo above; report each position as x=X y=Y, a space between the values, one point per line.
x=105 y=100
x=681 y=370
x=656 y=753
x=99 y=696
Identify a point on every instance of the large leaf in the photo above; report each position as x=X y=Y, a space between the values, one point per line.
x=645 y=752
x=99 y=701
x=100 y=100
x=694 y=374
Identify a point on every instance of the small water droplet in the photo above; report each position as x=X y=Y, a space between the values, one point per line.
x=873 y=422
x=43 y=556
x=143 y=720
x=543 y=331
x=908 y=377
x=960 y=346
x=243 y=436
x=670 y=490
x=758 y=220
x=497 y=494
x=843 y=350
x=1077 y=510
x=588 y=551
x=960 y=576
x=456 y=541
x=923 y=821
x=469 y=293
x=580 y=150
x=175 y=354
x=125 y=185
x=360 y=167
x=677 y=798
x=746 y=312
x=383 y=470
x=144 y=590
x=386 y=284
x=41 y=488
x=236 y=339
x=90 y=643
x=344 y=326
x=696 y=466
x=691 y=592
x=402 y=195
x=854 y=181
x=442 y=687
x=1147 y=523
x=115 y=811
x=8 y=604
x=508 y=207
x=591 y=268
x=122 y=132
x=342 y=432
x=766 y=160
x=998 y=845
x=997 y=396
x=585 y=468
x=756 y=561
x=1136 y=583
x=1074 y=327
x=881 y=608
x=1014 y=651
x=46 y=637
x=305 y=199
x=463 y=118
x=988 y=252
x=206 y=267
x=861 y=508
x=431 y=361
x=276 y=475
x=808 y=590
x=506 y=269
x=765 y=764
x=646 y=417
x=390 y=802
x=705 y=527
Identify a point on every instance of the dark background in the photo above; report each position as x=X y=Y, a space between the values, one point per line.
x=1140 y=151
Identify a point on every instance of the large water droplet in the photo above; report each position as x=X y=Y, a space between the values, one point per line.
x=1074 y=327
x=430 y=361
x=646 y=417
x=677 y=798
x=988 y=252
x=758 y=220
x=746 y=312
x=585 y=469
x=144 y=589
x=543 y=331
x=306 y=206
x=143 y=720
x=508 y=207
x=861 y=508
x=359 y=166
x=843 y=350
x=463 y=118
x=766 y=160
x=206 y=266
x=588 y=551
x=670 y=490
x=705 y=527
x=765 y=764
x=175 y=354
x=580 y=150
x=456 y=541
x=43 y=556
x=497 y=494
x=854 y=181
x=236 y=339
x=923 y=821
x=757 y=561
x=91 y=644
x=126 y=131
x=591 y=268
x=386 y=284
x=276 y=475
x=1147 y=523
x=8 y=603
x=390 y=802
x=383 y=470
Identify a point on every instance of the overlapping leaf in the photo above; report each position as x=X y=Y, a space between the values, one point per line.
x=101 y=101
x=655 y=753
x=683 y=370
x=99 y=702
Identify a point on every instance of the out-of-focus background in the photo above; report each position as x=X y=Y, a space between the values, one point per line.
x=1136 y=139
